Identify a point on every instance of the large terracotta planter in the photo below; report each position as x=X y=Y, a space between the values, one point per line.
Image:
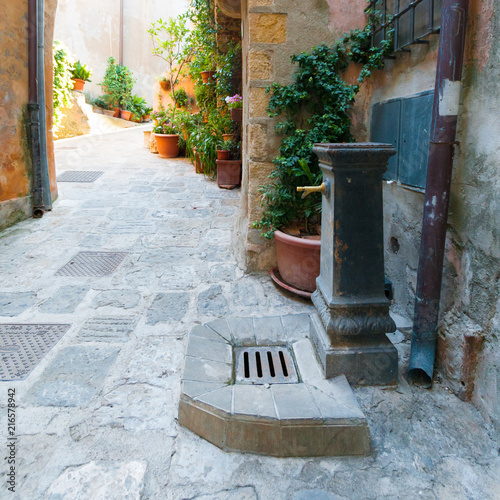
x=125 y=114
x=228 y=173
x=206 y=76
x=298 y=261
x=167 y=144
x=78 y=84
x=236 y=114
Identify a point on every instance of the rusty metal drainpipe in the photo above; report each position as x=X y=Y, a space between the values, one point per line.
x=437 y=190
x=34 y=110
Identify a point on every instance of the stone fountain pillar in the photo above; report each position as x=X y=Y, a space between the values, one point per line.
x=353 y=312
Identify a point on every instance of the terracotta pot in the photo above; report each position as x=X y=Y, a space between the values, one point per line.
x=165 y=85
x=228 y=173
x=228 y=137
x=236 y=114
x=168 y=145
x=206 y=76
x=145 y=118
x=222 y=154
x=125 y=114
x=298 y=260
x=78 y=84
x=117 y=113
x=98 y=110
x=108 y=112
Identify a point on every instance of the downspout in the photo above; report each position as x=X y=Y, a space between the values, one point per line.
x=42 y=199
x=437 y=190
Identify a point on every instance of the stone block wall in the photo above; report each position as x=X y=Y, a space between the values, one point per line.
x=273 y=30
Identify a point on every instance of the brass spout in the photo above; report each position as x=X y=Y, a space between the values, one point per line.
x=312 y=189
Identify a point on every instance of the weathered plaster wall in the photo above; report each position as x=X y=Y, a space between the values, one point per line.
x=15 y=162
x=273 y=30
x=470 y=307
x=91 y=31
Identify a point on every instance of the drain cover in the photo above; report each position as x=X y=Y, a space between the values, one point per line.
x=23 y=346
x=92 y=264
x=79 y=176
x=265 y=365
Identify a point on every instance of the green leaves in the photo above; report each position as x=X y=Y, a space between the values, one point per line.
x=117 y=85
x=62 y=64
x=314 y=108
x=81 y=72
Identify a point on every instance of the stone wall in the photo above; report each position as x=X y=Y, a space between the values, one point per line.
x=273 y=30
x=15 y=155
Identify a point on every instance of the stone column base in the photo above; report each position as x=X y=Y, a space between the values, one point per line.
x=364 y=360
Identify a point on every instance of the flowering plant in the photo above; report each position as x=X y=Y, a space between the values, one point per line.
x=236 y=101
x=163 y=123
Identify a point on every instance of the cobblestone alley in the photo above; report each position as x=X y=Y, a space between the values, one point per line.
x=97 y=417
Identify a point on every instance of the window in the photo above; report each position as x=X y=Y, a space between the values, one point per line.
x=412 y=20
x=406 y=124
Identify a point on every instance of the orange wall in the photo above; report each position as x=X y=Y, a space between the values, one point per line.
x=15 y=162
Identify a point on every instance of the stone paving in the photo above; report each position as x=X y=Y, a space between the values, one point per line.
x=97 y=417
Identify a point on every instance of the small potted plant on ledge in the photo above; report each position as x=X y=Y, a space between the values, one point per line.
x=137 y=106
x=147 y=114
x=80 y=74
x=235 y=105
x=224 y=149
x=166 y=134
x=229 y=168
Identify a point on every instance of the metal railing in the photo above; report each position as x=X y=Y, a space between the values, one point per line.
x=400 y=14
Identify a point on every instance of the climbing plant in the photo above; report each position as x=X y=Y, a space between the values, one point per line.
x=63 y=64
x=314 y=108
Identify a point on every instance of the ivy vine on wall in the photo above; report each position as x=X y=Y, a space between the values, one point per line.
x=315 y=107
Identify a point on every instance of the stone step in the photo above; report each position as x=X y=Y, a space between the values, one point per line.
x=314 y=417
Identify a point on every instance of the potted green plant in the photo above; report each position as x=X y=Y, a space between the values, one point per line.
x=137 y=106
x=235 y=105
x=229 y=167
x=117 y=86
x=80 y=74
x=181 y=98
x=224 y=149
x=314 y=109
x=165 y=83
x=146 y=113
x=166 y=133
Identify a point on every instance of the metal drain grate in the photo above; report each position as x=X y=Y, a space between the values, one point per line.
x=265 y=365
x=92 y=264
x=79 y=176
x=23 y=346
